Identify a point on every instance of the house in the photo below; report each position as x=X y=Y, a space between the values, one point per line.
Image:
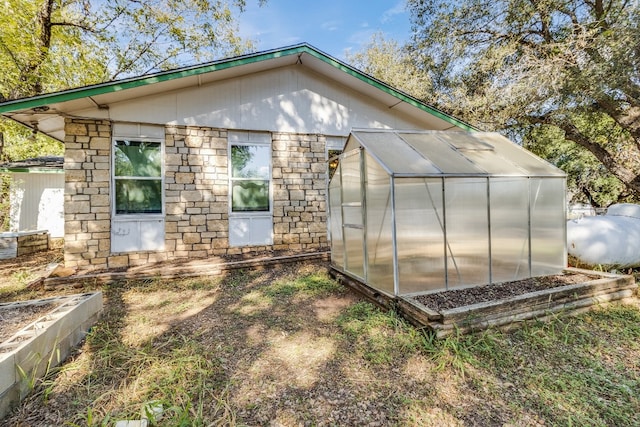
x=222 y=158
x=36 y=195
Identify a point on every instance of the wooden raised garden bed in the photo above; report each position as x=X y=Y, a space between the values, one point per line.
x=588 y=289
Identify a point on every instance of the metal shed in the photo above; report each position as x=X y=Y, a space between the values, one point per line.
x=422 y=211
x=37 y=194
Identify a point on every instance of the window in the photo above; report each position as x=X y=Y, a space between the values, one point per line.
x=138 y=177
x=250 y=198
x=250 y=175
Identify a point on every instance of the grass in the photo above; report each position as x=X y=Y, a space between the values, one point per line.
x=575 y=371
x=292 y=347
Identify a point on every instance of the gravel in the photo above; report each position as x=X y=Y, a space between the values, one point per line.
x=447 y=300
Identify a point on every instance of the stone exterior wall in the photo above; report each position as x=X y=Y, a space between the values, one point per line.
x=196 y=192
x=299 y=188
x=87 y=211
x=196 y=195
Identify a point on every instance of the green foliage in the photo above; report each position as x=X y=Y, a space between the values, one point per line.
x=80 y=42
x=49 y=45
x=5 y=201
x=519 y=66
x=20 y=143
x=588 y=181
x=386 y=60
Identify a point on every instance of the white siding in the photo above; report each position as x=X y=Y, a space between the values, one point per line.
x=37 y=202
x=289 y=99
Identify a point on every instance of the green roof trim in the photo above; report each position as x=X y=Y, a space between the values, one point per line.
x=223 y=64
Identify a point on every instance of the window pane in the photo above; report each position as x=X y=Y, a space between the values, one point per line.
x=250 y=161
x=137 y=158
x=138 y=196
x=250 y=196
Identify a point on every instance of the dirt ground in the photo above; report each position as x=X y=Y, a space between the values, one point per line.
x=15 y=318
x=282 y=353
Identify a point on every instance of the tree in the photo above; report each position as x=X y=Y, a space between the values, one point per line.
x=50 y=45
x=588 y=181
x=389 y=62
x=567 y=68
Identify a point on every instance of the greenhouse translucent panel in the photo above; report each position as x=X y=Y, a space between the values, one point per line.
x=519 y=156
x=379 y=234
x=352 y=215
x=335 y=220
x=350 y=165
x=353 y=240
x=464 y=141
x=419 y=234
x=396 y=154
x=443 y=155
x=467 y=231
x=548 y=226
x=351 y=144
x=509 y=229
x=489 y=161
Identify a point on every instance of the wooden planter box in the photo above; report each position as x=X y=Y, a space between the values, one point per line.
x=511 y=312
x=13 y=244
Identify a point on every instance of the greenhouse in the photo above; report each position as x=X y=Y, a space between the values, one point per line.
x=414 y=212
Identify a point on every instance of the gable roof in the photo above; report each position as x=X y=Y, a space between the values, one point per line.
x=46 y=112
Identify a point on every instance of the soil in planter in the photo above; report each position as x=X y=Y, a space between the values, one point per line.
x=15 y=318
x=447 y=300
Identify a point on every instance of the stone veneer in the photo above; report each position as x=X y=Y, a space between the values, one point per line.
x=196 y=195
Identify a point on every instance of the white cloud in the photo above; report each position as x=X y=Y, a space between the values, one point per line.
x=361 y=38
x=398 y=9
x=330 y=25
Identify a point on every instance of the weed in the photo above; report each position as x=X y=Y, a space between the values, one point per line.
x=20 y=277
x=562 y=367
x=453 y=352
x=176 y=372
x=36 y=374
x=310 y=285
x=90 y=419
x=381 y=337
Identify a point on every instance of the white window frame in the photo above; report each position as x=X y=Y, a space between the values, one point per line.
x=137 y=232
x=156 y=215
x=250 y=219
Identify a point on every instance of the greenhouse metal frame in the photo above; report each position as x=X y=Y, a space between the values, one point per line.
x=413 y=212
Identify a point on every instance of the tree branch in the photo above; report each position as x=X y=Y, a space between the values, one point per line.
x=573 y=134
x=73 y=24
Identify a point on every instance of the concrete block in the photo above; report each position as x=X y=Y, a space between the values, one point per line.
x=46 y=342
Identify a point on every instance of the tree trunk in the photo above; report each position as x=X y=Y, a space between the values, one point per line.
x=31 y=72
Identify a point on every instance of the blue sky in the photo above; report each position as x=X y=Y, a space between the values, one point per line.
x=333 y=26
